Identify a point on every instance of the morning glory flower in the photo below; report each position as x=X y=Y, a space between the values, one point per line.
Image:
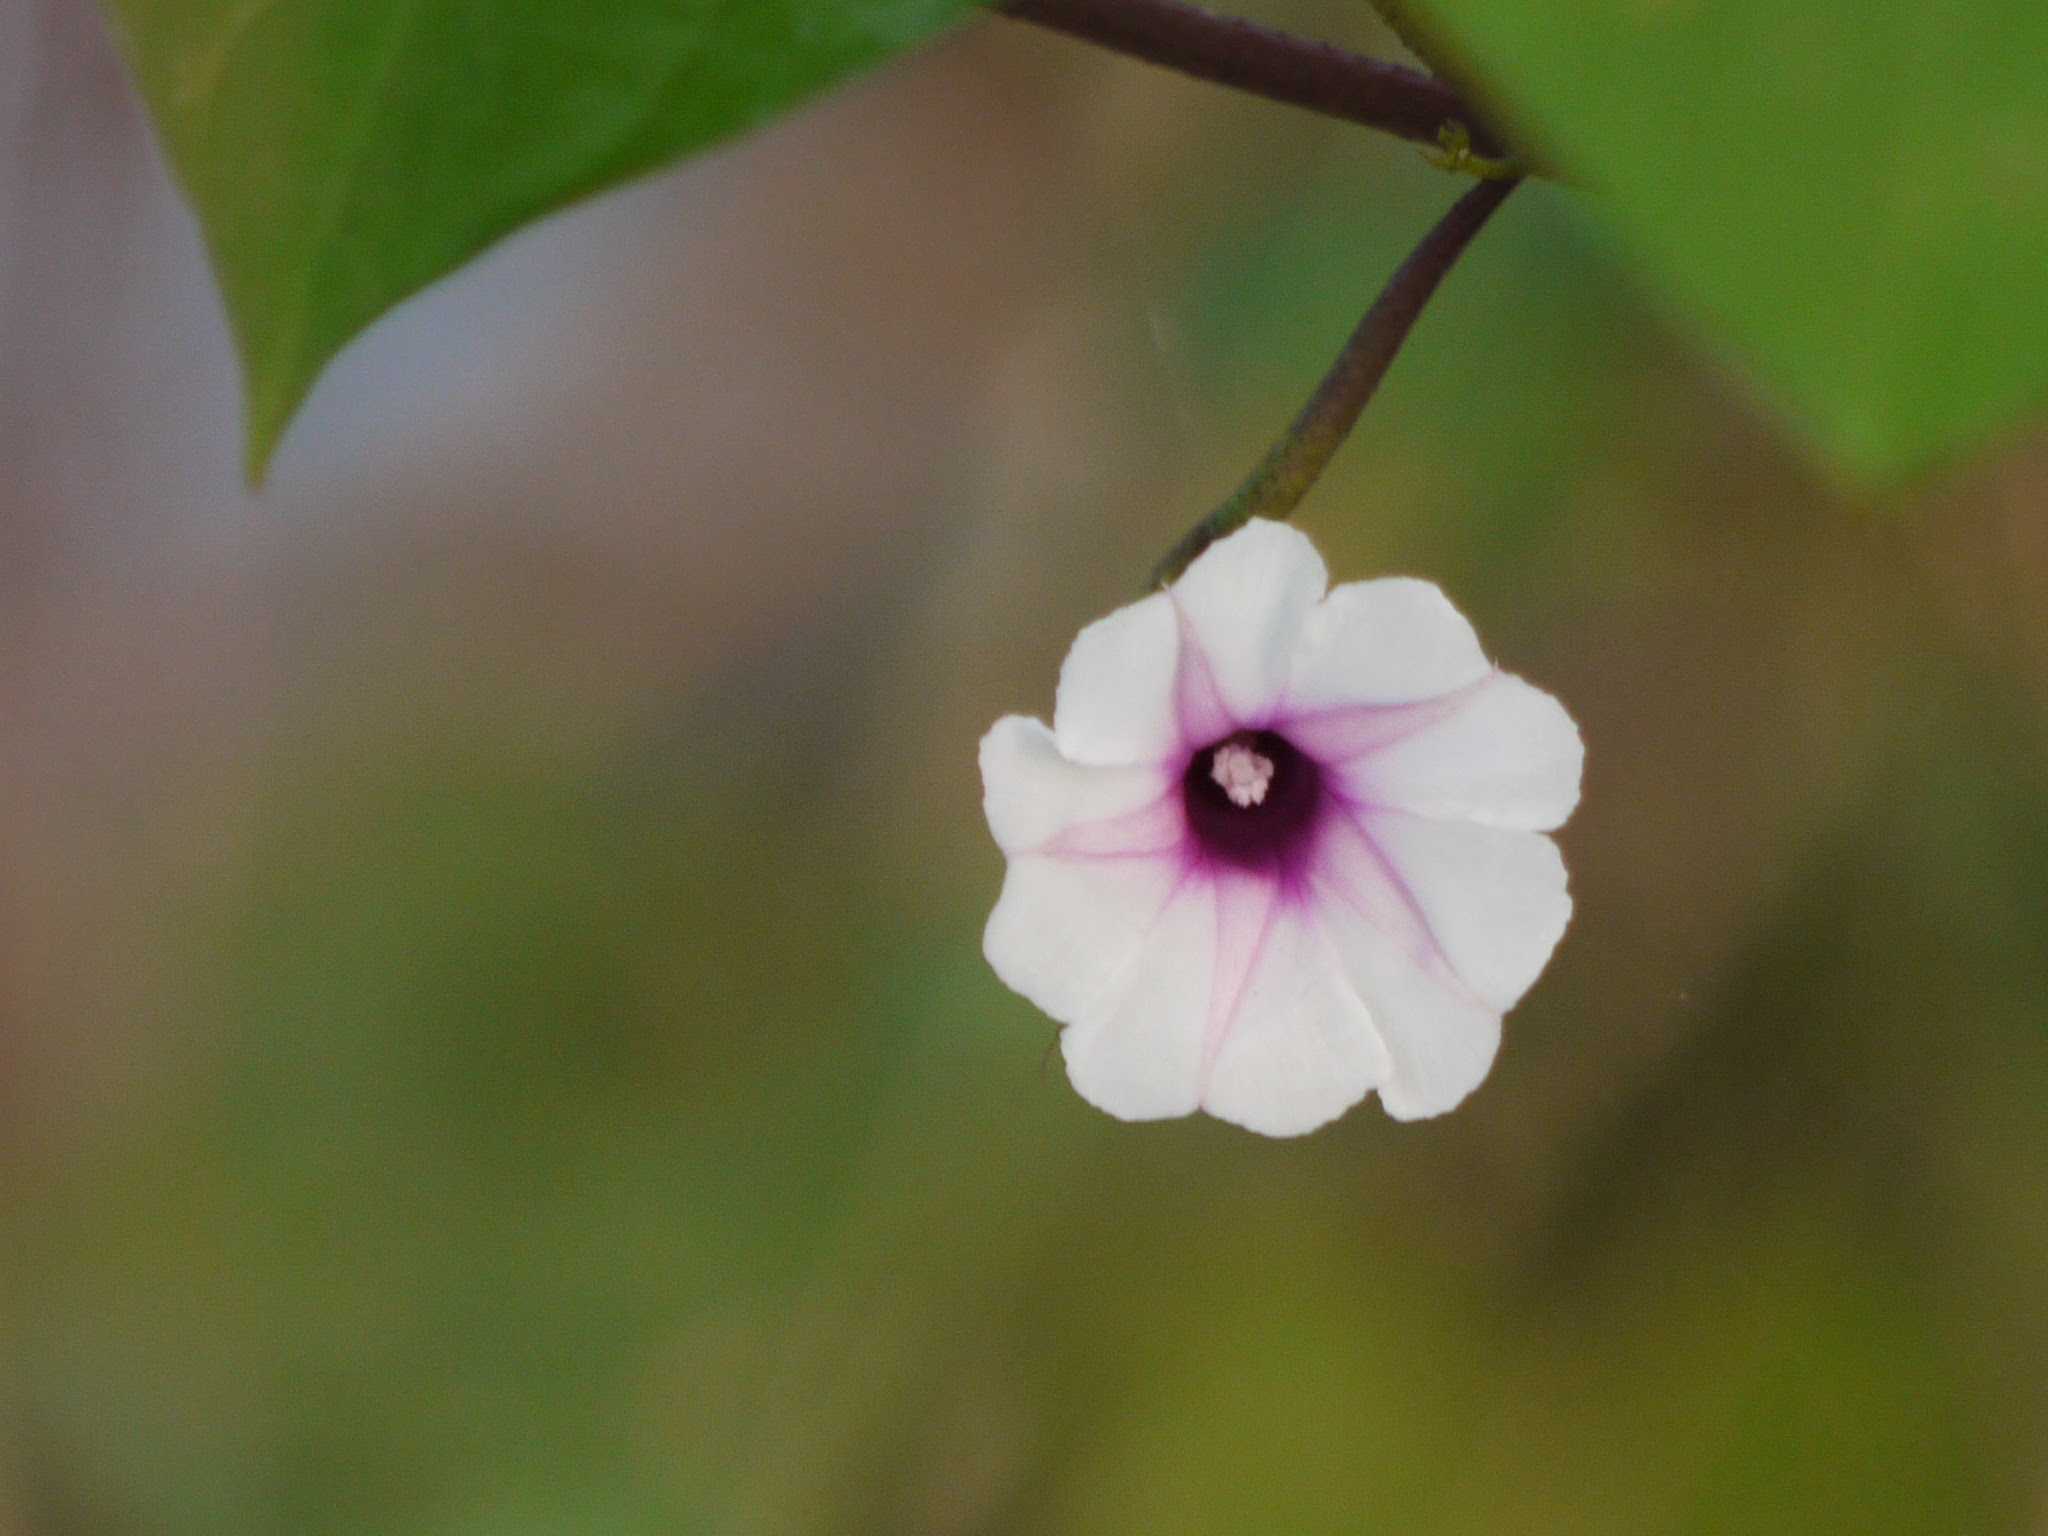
x=1281 y=846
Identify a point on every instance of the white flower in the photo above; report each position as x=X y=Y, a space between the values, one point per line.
x=1281 y=847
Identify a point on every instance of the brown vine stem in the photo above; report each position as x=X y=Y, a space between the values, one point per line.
x=1293 y=464
x=1277 y=65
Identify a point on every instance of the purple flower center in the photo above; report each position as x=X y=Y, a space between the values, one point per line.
x=1252 y=799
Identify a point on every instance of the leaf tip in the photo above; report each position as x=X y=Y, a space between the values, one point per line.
x=271 y=409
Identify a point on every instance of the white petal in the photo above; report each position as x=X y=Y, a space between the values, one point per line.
x=1346 y=733
x=1299 y=1047
x=1116 y=696
x=1442 y=1039
x=1508 y=756
x=1245 y=601
x=1065 y=932
x=1032 y=795
x=1494 y=901
x=1135 y=1048
x=1391 y=641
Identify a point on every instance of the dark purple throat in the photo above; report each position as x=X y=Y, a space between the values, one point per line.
x=1252 y=801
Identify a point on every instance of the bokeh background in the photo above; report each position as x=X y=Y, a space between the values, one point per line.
x=492 y=1033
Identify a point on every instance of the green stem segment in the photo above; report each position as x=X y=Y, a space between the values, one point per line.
x=1293 y=464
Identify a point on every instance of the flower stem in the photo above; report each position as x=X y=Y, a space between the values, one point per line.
x=1293 y=464
x=1228 y=51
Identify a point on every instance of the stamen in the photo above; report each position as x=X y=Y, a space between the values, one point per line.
x=1252 y=800
x=1244 y=775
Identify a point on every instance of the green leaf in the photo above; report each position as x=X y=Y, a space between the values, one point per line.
x=1852 y=195
x=342 y=154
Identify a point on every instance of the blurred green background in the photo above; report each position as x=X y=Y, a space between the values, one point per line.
x=493 y=1040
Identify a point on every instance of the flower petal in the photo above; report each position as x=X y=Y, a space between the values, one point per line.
x=1245 y=600
x=1391 y=641
x=1134 y=1048
x=1032 y=795
x=1065 y=932
x=1300 y=1047
x=1509 y=756
x=1494 y=900
x=1116 y=696
x=1440 y=1038
x=1346 y=733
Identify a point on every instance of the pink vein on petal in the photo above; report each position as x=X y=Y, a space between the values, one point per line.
x=1246 y=908
x=1197 y=702
x=1344 y=734
x=1382 y=897
x=1154 y=829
